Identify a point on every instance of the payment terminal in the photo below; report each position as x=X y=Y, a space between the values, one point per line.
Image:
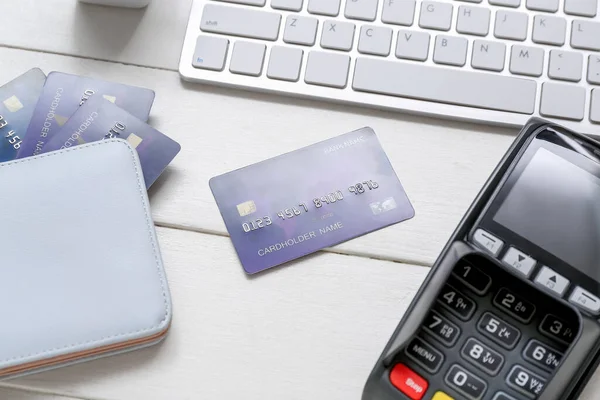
x=510 y=310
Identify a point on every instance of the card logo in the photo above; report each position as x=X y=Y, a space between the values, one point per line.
x=246 y=208
x=13 y=104
x=379 y=207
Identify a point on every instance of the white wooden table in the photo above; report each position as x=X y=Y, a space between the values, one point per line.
x=309 y=330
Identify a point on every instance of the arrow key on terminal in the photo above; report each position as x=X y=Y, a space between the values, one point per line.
x=519 y=261
x=551 y=280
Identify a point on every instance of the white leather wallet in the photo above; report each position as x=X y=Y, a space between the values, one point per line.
x=81 y=274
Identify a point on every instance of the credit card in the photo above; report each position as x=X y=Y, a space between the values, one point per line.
x=64 y=93
x=315 y=197
x=100 y=119
x=17 y=102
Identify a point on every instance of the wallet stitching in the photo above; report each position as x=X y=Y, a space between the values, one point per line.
x=152 y=241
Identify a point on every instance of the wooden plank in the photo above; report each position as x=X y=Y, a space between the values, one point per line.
x=312 y=329
x=152 y=36
x=442 y=165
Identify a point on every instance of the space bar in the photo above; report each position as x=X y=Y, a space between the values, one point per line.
x=443 y=85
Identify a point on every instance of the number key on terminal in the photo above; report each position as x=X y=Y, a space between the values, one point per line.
x=556 y=328
x=525 y=381
x=465 y=382
x=425 y=355
x=499 y=331
x=514 y=305
x=542 y=355
x=441 y=328
x=482 y=356
x=459 y=304
x=473 y=278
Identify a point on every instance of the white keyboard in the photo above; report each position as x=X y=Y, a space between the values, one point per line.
x=490 y=61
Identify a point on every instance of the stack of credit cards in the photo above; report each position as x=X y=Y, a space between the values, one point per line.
x=315 y=197
x=39 y=114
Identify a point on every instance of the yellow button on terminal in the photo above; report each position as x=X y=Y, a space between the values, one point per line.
x=441 y=396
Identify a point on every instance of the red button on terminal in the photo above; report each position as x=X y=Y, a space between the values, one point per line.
x=408 y=382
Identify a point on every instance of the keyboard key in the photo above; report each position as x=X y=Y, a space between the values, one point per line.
x=210 y=53
x=542 y=5
x=435 y=15
x=424 y=354
x=247 y=58
x=551 y=280
x=238 y=21
x=542 y=355
x=499 y=331
x=526 y=60
x=585 y=35
x=365 y=10
x=337 y=35
x=412 y=45
x=594 y=69
x=290 y=5
x=488 y=55
x=562 y=101
x=584 y=8
x=408 y=382
x=525 y=381
x=482 y=356
x=511 y=25
x=514 y=305
x=444 y=85
x=259 y=3
x=473 y=20
x=585 y=299
x=450 y=50
x=375 y=40
x=488 y=241
x=324 y=7
x=506 y=3
x=557 y=329
x=285 y=63
x=503 y=396
x=519 y=261
x=549 y=30
x=473 y=277
x=441 y=328
x=398 y=12
x=300 y=30
x=441 y=396
x=595 y=106
x=465 y=382
x=459 y=304
x=327 y=69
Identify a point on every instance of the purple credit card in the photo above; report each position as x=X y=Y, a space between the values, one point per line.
x=315 y=197
x=100 y=119
x=64 y=93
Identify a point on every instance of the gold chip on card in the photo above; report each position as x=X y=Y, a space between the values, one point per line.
x=13 y=104
x=134 y=140
x=246 y=208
